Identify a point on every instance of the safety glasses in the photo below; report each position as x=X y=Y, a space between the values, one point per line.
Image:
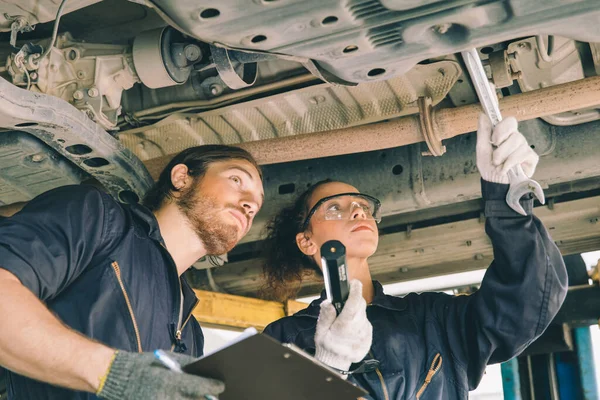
x=345 y=206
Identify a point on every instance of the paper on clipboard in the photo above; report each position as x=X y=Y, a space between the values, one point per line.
x=246 y=334
x=257 y=367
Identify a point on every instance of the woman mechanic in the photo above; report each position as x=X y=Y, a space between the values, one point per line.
x=430 y=345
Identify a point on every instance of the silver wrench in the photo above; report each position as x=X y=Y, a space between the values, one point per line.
x=520 y=184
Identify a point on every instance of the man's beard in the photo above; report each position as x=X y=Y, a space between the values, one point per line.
x=201 y=212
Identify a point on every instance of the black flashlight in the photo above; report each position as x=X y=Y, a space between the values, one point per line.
x=333 y=261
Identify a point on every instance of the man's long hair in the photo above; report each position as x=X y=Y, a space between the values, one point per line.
x=197 y=159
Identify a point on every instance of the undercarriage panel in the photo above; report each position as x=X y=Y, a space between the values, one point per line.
x=29 y=167
x=364 y=40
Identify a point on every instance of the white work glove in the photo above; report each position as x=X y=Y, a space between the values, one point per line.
x=511 y=149
x=345 y=339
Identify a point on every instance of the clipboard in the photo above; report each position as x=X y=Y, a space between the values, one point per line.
x=258 y=367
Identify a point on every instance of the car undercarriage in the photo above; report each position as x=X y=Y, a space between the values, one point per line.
x=371 y=92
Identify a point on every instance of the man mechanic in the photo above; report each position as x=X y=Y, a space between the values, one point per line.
x=89 y=286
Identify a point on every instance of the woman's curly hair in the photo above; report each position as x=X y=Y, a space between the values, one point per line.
x=284 y=264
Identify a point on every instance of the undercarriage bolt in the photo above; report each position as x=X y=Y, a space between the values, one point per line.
x=215 y=90
x=78 y=95
x=192 y=52
x=93 y=92
x=442 y=28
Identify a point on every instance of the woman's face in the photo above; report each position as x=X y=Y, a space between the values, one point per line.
x=356 y=232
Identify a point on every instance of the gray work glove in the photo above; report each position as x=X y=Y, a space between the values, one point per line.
x=134 y=376
x=501 y=148
x=345 y=339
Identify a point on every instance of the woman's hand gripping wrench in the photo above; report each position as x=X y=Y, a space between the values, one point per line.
x=520 y=184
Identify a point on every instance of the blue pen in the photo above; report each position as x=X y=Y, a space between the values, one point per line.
x=174 y=366
x=167 y=361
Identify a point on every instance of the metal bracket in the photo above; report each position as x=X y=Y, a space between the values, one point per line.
x=417 y=182
x=227 y=70
x=434 y=143
x=19 y=24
